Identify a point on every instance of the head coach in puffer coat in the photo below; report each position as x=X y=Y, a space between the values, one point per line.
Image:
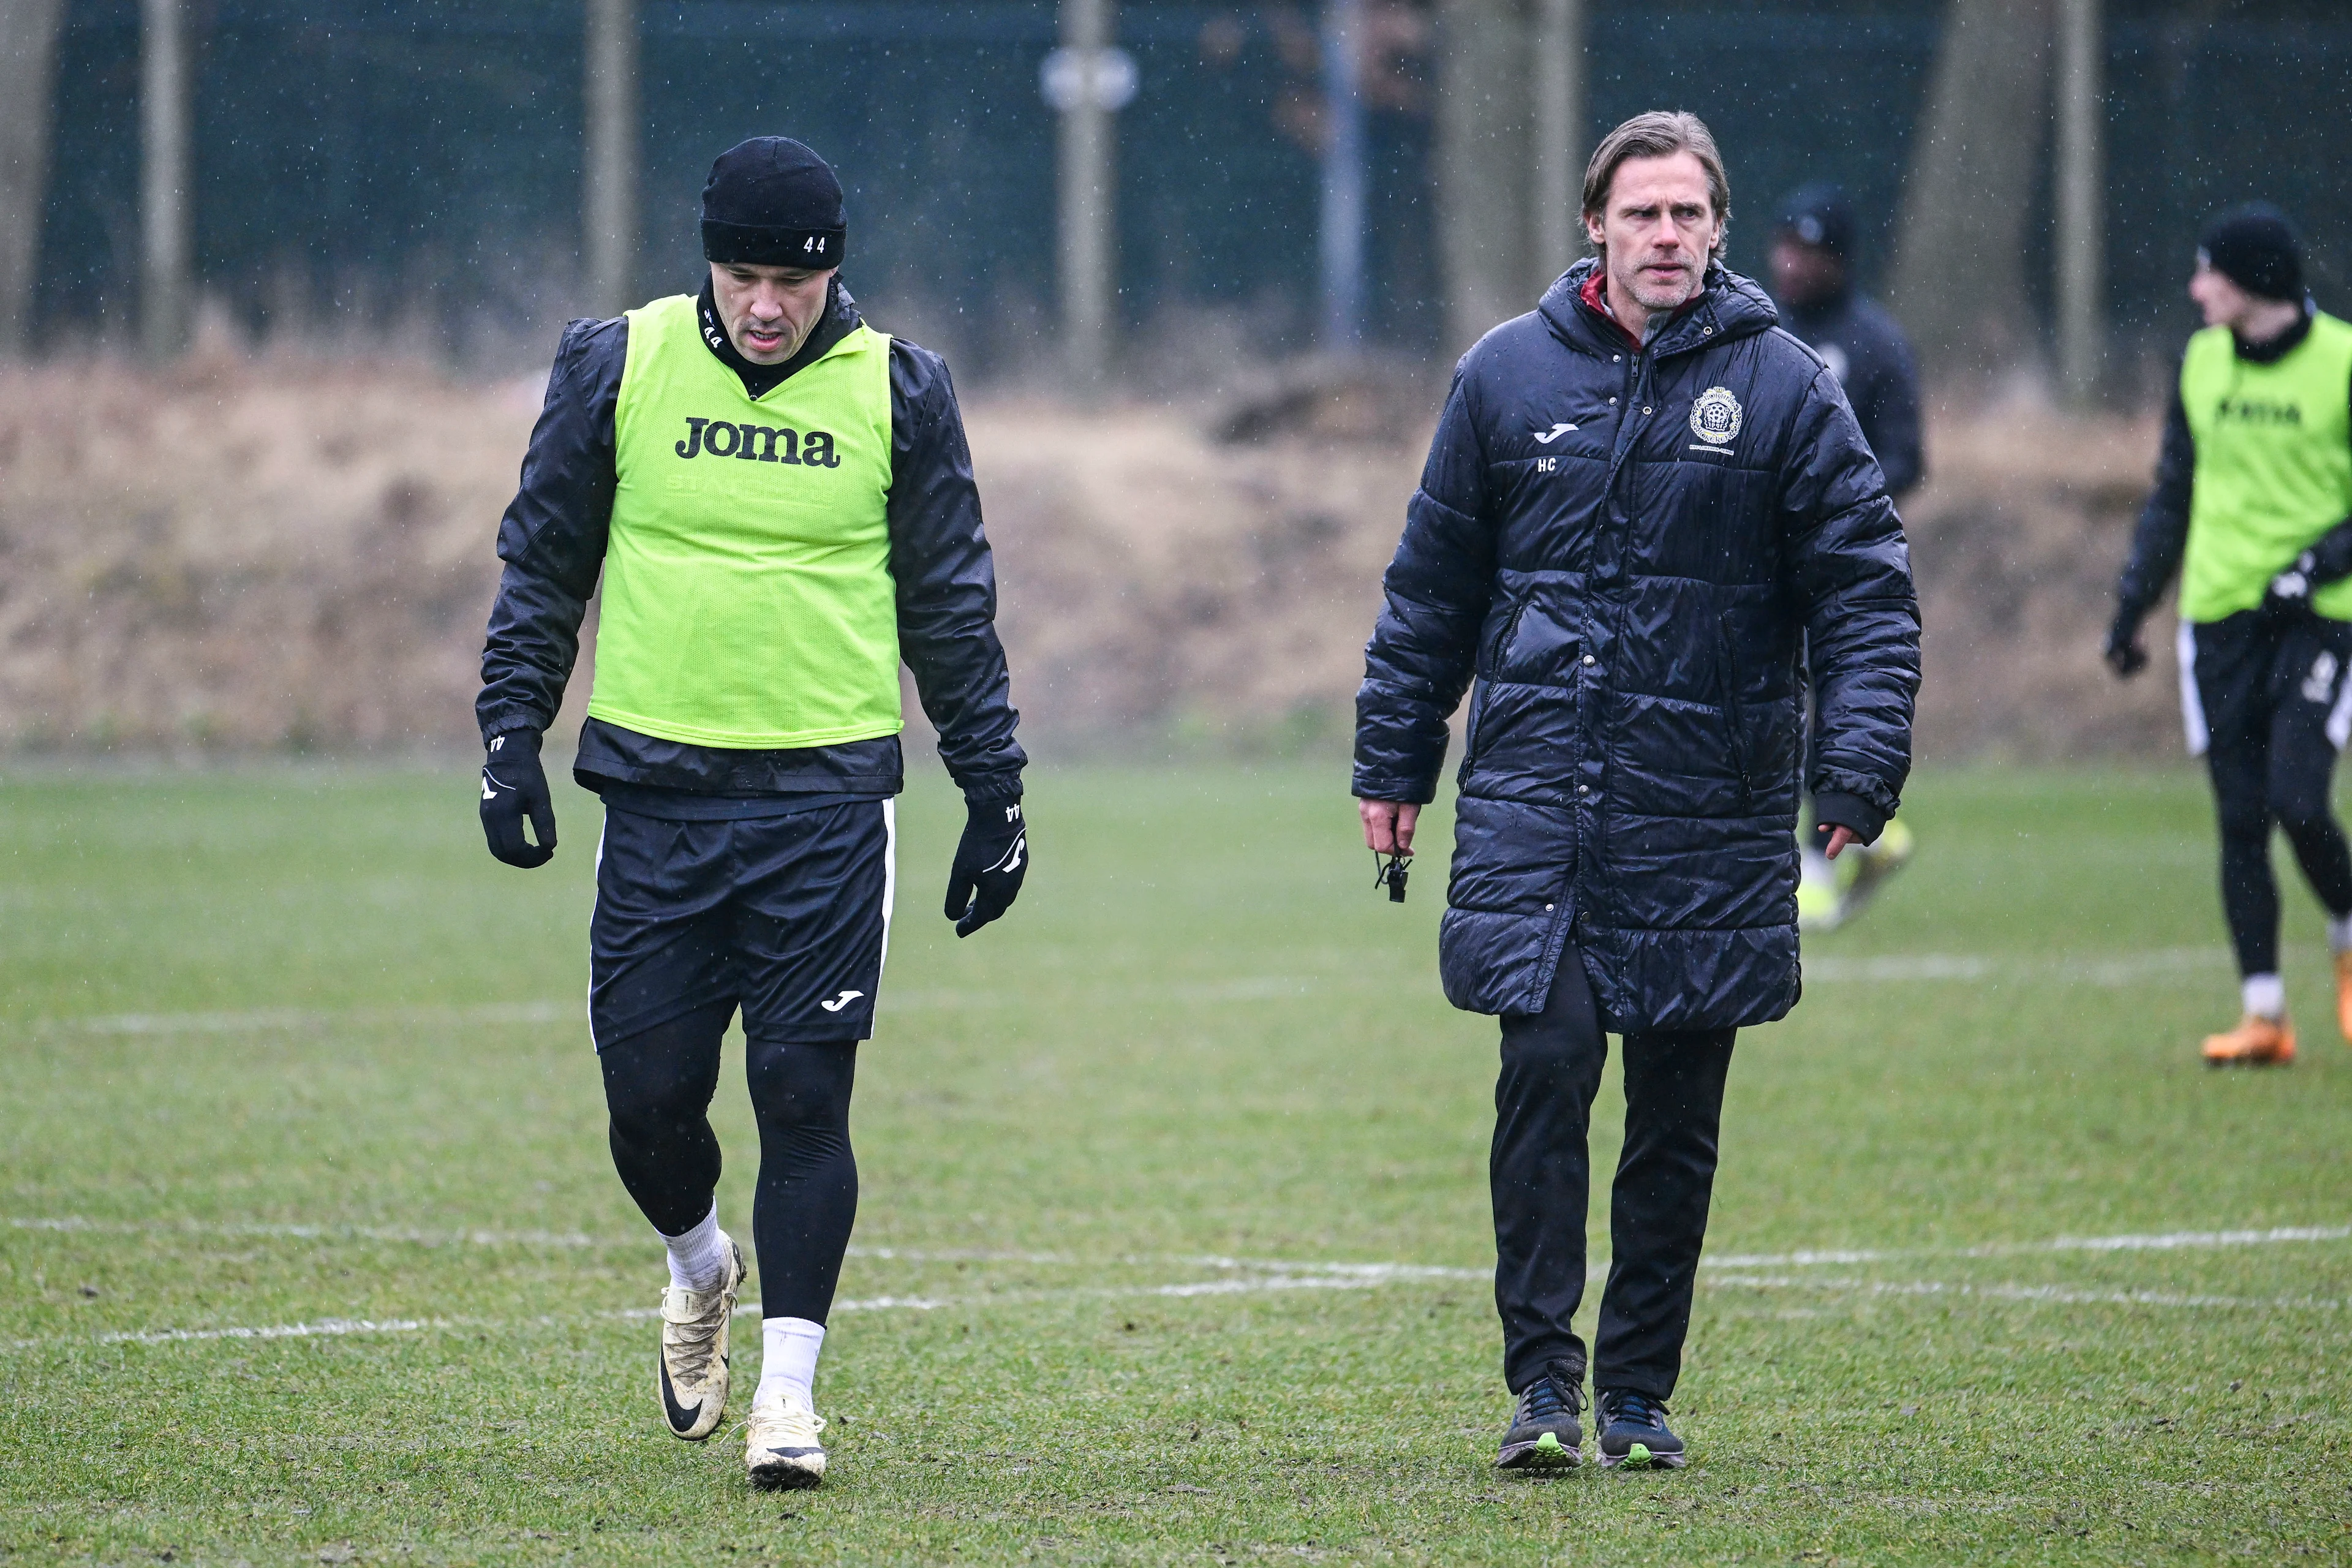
x=1645 y=509
x=1629 y=545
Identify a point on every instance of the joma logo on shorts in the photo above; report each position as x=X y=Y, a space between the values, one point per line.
x=758 y=443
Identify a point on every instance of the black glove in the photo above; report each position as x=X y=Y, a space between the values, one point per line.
x=2124 y=654
x=514 y=787
x=2289 y=594
x=989 y=864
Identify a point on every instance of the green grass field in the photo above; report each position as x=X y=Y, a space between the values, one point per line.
x=1174 y=1235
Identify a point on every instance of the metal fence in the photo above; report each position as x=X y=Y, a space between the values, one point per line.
x=415 y=165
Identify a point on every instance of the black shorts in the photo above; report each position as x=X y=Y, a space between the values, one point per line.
x=787 y=917
x=2255 y=686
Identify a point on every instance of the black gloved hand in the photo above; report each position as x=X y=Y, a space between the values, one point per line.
x=989 y=864
x=2124 y=654
x=2289 y=594
x=514 y=787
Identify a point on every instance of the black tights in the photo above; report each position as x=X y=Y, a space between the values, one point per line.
x=659 y=1085
x=2268 y=692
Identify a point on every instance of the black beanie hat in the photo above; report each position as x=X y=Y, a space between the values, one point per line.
x=1819 y=214
x=771 y=201
x=2256 y=249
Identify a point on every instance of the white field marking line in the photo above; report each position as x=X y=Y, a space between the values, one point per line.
x=269 y=1018
x=260 y=1231
x=325 y=1328
x=1337 y=1276
x=1265 y=988
x=2057 y=1294
x=2092 y=969
x=500 y=1239
x=2164 y=1241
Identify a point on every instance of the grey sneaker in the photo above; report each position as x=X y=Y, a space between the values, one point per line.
x=1544 y=1427
x=1633 y=1432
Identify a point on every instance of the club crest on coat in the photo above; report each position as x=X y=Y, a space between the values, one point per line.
x=1716 y=416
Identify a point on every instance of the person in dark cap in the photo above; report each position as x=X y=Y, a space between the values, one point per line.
x=2254 y=491
x=779 y=503
x=1813 y=247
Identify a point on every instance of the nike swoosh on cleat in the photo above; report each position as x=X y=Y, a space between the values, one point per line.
x=681 y=1417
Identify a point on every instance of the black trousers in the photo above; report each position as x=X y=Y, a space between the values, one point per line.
x=1541 y=1179
x=2271 y=694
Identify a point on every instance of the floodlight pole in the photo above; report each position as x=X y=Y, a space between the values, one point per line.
x=163 y=197
x=1345 y=177
x=1557 y=195
x=609 y=204
x=2081 y=196
x=1088 y=243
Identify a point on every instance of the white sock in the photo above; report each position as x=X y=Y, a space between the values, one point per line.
x=2265 y=996
x=2339 y=935
x=788 y=1348
x=697 y=1261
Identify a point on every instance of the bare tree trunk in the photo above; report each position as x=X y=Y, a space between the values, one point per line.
x=1561 y=139
x=2082 y=198
x=610 y=208
x=1959 y=268
x=1484 y=87
x=1090 y=190
x=28 y=47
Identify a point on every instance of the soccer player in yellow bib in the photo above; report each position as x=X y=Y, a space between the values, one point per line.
x=2253 y=492
x=780 y=502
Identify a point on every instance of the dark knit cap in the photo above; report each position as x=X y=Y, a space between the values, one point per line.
x=771 y=201
x=1819 y=214
x=2256 y=249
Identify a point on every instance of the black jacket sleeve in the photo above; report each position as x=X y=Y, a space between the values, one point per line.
x=1424 y=646
x=947 y=580
x=2163 y=531
x=1849 y=571
x=552 y=537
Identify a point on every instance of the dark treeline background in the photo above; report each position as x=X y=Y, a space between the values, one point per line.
x=415 y=165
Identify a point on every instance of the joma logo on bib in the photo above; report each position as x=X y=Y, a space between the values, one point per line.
x=2253 y=411
x=758 y=444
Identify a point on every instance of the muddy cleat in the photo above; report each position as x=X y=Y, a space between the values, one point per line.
x=781 y=1449
x=1633 y=1432
x=690 y=1373
x=1544 y=1428
x=2344 y=995
x=2256 y=1042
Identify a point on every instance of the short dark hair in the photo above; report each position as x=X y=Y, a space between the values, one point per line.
x=1659 y=133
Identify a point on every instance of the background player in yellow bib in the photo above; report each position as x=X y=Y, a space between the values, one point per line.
x=2253 y=496
x=780 y=502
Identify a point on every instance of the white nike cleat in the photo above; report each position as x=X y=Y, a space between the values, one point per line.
x=781 y=1449
x=691 y=1374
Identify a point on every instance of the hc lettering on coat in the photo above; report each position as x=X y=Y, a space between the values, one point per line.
x=758 y=443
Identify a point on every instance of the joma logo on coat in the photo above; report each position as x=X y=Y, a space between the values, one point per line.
x=758 y=443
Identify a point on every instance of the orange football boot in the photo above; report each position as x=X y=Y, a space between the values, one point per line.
x=2344 y=995
x=2256 y=1042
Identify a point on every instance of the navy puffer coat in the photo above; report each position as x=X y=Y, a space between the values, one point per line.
x=1631 y=548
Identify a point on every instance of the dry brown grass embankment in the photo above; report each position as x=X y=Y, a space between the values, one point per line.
x=298 y=553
